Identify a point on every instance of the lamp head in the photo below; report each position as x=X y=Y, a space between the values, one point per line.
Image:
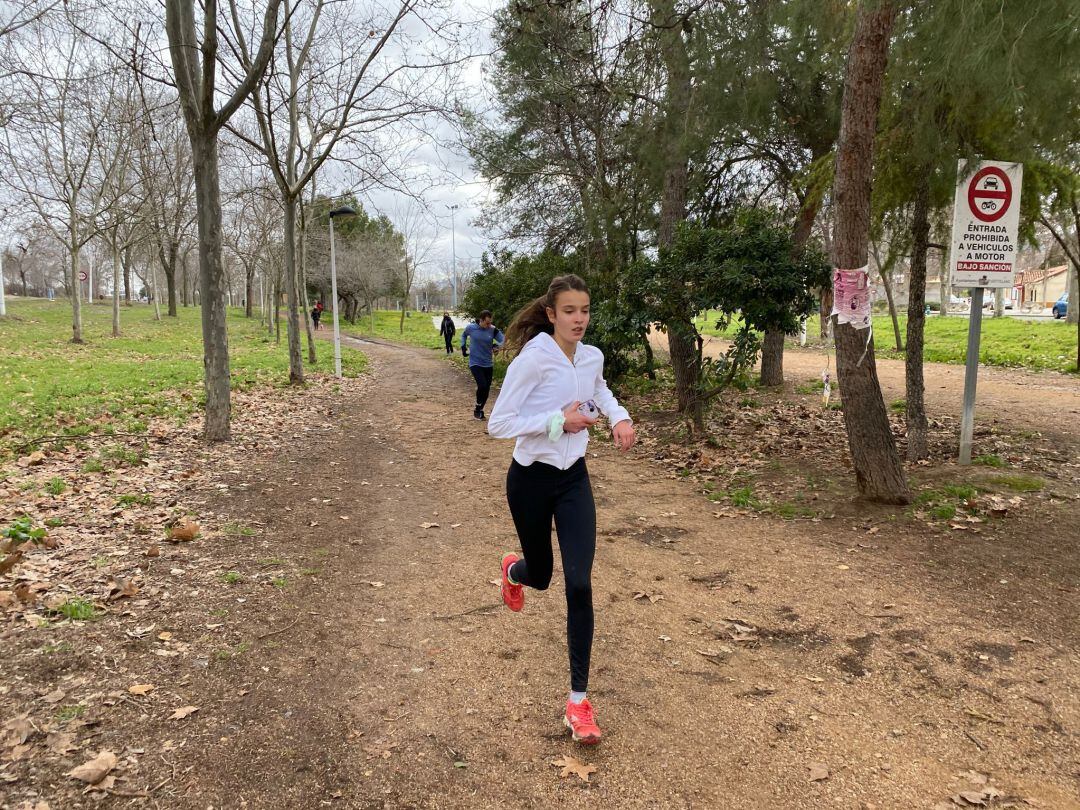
x=343 y=211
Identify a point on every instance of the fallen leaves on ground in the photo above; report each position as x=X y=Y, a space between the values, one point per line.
x=141 y=688
x=570 y=765
x=183 y=711
x=819 y=771
x=95 y=770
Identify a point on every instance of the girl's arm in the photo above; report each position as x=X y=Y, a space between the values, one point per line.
x=511 y=416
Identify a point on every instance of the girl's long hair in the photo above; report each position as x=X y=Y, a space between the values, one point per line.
x=532 y=318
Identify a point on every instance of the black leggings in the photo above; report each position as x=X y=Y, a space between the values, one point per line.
x=449 y=344
x=536 y=494
x=483 y=383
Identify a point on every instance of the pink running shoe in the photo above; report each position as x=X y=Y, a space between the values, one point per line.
x=513 y=595
x=581 y=721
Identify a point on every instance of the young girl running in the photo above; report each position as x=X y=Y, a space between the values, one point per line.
x=549 y=399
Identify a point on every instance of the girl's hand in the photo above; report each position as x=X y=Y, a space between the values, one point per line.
x=575 y=420
x=624 y=435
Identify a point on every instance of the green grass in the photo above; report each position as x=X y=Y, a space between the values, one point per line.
x=232 y=577
x=49 y=385
x=989 y=460
x=78 y=609
x=1020 y=483
x=56 y=486
x=1040 y=345
x=419 y=331
x=132 y=500
x=237 y=529
x=70 y=712
x=945 y=511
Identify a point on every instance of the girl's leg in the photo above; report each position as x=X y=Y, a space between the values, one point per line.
x=531 y=497
x=575 y=521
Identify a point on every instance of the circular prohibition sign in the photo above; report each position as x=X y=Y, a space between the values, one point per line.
x=990 y=202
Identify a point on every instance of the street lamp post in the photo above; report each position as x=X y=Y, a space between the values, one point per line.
x=343 y=211
x=453 y=259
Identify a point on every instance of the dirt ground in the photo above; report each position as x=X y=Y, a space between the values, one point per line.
x=740 y=661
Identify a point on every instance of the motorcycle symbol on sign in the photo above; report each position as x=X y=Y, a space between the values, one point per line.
x=989 y=205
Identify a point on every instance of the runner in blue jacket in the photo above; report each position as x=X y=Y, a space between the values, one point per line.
x=485 y=341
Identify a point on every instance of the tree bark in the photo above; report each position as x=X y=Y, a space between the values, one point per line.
x=292 y=302
x=305 y=313
x=76 y=295
x=772 y=350
x=1072 y=315
x=914 y=388
x=685 y=361
x=772 y=358
x=884 y=274
x=126 y=259
x=878 y=471
x=168 y=256
x=116 y=291
x=211 y=289
x=249 y=291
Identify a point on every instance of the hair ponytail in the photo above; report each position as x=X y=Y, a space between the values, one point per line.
x=532 y=319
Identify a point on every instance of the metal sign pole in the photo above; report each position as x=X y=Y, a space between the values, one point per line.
x=971 y=375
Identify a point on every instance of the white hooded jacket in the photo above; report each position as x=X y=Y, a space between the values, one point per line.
x=542 y=382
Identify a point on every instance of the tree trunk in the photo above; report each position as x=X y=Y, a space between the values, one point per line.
x=292 y=301
x=914 y=388
x=126 y=258
x=685 y=361
x=277 y=313
x=305 y=302
x=884 y=274
x=878 y=470
x=1072 y=315
x=153 y=291
x=211 y=289
x=249 y=291
x=115 y=291
x=185 y=286
x=76 y=296
x=772 y=358
x=168 y=256
x=772 y=350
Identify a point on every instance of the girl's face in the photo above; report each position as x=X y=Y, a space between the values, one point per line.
x=570 y=315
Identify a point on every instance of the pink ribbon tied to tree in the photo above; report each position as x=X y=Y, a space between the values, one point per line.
x=852 y=297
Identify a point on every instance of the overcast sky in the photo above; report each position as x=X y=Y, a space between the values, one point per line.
x=443 y=160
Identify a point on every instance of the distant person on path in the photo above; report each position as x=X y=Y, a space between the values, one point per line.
x=316 y=314
x=554 y=390
x=447 y=330
x=485 y=339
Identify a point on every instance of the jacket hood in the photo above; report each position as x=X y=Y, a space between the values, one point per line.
x=545 y=344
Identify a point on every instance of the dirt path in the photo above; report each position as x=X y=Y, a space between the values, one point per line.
x=757 y=648
x=1043 y=401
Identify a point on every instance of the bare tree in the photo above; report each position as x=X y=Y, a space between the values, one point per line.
x=327 y=81
x=194 y=52
x=416 y=227
x=61 y=160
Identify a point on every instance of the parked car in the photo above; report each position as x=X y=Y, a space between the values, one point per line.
x=1061 y=306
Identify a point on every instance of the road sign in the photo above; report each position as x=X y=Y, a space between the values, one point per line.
x=986 y=214
x=83 y=276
